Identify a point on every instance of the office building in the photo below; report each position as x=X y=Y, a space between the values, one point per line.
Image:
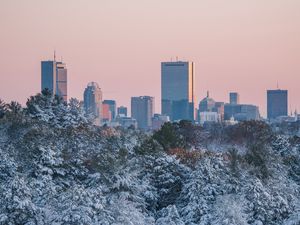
x=277 y=103
x=112 y=107
x=142 y=109
x=122 y=110
x=207 y=104
x=93 y=102
x=127 y=122
x=209 y=108
x=158 y=120
x=209 y=117
x=106 y=113
x=177 y=90
x=54 y=78
x=241 y=112
x=220 y=108
x=234 y=98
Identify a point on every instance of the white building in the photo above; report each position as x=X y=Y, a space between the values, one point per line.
x=205 y=117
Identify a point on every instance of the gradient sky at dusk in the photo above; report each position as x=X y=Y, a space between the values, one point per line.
x=237 y=45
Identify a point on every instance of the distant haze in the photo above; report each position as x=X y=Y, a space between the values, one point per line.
x=237 y=45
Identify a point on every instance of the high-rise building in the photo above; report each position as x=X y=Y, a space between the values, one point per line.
x=54 y=78
x=277 y=103
x=142 y=109
x=122 y=110
x=93 y=102
x=106 y=113
x=234 y=98
x=177 y=90
x=112 y=107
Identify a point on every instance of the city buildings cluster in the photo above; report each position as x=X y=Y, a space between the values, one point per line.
x=177 y=100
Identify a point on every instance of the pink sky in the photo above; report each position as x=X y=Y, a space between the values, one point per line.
x=237 y=45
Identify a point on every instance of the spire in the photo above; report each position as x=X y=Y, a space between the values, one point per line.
x=207 y=94
x=54 y=55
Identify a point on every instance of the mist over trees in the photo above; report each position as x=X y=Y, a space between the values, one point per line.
x=58 y=168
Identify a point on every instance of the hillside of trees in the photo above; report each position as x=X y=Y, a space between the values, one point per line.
x=57 y=168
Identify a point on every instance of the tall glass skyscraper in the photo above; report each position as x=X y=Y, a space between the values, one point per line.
x=142 y=109
x=54 y=78
x=177 y=90
x=277 y=101
x=93 y=102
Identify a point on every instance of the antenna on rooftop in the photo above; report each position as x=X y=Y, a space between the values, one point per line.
x=54 y=56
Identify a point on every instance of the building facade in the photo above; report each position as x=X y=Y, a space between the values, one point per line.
x=122 y=110
x=177 y=90
x=106 y=113
x=142 y=109
x=210 y=110
x=158 y=121
x=209 y=117
x=112 y=107
x=93 y=102
x=241 y=112
x=234 y=98
x=277 y=103
x=54 y=78
x=127 y=122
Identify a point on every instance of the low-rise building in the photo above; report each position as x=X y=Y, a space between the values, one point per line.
x=158 y=120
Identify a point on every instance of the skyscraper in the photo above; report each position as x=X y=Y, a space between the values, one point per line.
x=277 y=103
x=234 y=98
x=177 y=90
x=54 y=78
x=112 y=107
x=61 y=80
x=142 y=109
x=93 y=102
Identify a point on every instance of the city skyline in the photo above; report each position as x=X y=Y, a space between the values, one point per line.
x=236 y=46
